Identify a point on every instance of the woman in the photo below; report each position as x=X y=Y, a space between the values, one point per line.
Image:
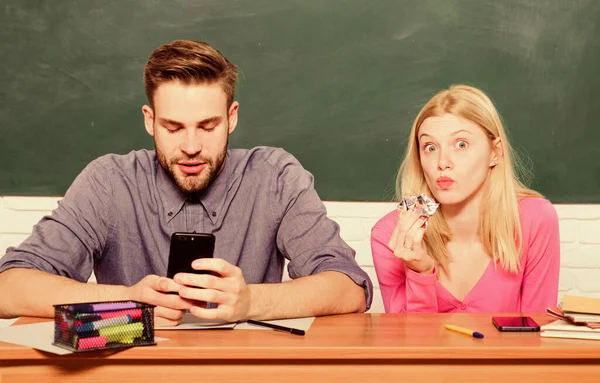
x=492 y=245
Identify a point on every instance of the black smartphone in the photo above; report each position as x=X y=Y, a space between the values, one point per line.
x=515 y=324
x=186 y=248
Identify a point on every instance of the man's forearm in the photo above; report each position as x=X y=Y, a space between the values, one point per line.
x=326 y=293
x=33 y=292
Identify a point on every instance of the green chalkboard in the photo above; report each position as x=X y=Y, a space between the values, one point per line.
x=337 y=83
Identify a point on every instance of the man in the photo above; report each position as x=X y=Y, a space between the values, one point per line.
x=118 y=216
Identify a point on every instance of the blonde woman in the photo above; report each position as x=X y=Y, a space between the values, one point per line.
x=492 y=245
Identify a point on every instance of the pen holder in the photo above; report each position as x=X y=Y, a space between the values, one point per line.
x=103 y=325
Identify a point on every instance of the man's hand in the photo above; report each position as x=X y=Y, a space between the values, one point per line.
x=227 y=288
x=169 y=307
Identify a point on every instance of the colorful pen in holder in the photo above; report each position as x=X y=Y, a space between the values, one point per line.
x=103 y=325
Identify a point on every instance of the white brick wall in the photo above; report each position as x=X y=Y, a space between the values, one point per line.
x=579 y=231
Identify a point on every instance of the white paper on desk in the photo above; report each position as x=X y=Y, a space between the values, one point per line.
x=7 y=322
x=190 y=322
x=297 y=323
x=37 y=335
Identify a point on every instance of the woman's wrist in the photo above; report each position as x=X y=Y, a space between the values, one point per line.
x=426 y=269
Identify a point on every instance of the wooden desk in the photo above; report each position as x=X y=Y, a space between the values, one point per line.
x=357 y=347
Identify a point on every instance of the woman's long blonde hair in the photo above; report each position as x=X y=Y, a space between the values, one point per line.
x=499 y=224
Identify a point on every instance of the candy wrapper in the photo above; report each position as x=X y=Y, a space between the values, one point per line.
x=423 y=205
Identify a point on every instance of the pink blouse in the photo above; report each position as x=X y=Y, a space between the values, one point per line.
x=533 y=289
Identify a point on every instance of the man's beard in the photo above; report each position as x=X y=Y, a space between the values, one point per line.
x=196 y=182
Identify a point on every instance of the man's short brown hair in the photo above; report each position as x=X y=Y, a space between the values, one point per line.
x=191 y=62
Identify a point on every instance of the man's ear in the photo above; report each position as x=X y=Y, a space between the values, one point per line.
x=497 y=152
x=148 y=119
x=232 y=116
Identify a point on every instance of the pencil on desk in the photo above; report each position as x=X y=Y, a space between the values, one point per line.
x=294 y=331
x=463 y=330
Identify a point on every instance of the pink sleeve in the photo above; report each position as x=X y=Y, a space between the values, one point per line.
x=402 y=289
x=540 y=280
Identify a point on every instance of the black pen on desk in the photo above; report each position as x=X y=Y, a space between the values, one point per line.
x=294 y=331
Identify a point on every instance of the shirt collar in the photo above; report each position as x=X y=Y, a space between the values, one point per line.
x=212 y=199
x=172 y=196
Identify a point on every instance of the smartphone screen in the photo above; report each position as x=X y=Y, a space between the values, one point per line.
x=515 y=324
x=186 y=248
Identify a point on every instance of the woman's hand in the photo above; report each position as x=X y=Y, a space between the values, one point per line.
x=407 y=242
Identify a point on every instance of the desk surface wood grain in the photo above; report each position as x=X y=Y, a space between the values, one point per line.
x=349 y=337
